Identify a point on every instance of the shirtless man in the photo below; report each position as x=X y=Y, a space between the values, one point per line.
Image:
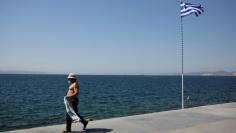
x=72 y=96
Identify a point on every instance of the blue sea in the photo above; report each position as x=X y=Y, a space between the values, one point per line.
x=37 y=100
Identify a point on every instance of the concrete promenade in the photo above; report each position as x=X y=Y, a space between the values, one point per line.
x=219 y=118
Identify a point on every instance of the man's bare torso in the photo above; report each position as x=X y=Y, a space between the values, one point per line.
x=73 y=91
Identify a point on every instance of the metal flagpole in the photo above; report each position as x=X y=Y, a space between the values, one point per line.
x=194 y=8
x=182 y=57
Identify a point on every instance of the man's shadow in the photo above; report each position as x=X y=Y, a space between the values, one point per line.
x=94 y=130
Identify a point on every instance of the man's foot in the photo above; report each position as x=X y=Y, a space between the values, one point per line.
x=85 y=123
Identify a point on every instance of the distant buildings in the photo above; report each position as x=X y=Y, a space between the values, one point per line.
x=234 y=73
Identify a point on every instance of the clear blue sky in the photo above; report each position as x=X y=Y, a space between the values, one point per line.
x=115 y=36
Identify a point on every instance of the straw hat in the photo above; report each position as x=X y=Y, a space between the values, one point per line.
x=71 y=76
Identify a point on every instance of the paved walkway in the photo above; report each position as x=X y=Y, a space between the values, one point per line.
x=219 y=118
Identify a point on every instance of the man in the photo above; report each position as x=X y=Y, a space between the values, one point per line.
x=72 y=97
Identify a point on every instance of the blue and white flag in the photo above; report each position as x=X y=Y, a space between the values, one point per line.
x=187 y=9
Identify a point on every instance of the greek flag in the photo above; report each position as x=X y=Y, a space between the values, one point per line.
x=187 y=8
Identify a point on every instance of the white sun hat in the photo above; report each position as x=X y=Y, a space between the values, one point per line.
x=71 y=76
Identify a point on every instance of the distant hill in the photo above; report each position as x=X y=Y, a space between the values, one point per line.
x=216 y=73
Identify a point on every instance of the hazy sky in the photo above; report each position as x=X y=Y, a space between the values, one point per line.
x=115 y=36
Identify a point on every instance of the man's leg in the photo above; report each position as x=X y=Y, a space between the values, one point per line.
x=68 y=123
x=82 y=120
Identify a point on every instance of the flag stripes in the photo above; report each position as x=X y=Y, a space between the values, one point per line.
x=187 y=9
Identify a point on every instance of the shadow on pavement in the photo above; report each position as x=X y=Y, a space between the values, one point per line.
x=94 y=130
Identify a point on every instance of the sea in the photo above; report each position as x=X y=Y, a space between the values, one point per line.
x=37 y=100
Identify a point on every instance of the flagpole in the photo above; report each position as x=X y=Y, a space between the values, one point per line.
x=186 y=9
x=182 y=57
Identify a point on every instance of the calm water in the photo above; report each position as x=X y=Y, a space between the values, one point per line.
x=37 y=100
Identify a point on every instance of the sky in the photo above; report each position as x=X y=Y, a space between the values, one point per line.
x=124 y=37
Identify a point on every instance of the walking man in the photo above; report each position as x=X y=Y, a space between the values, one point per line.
x=72 y=97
